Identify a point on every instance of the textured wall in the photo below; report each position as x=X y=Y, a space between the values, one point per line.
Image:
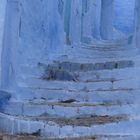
x=124 y=15
x=2 y=19
x=90 y=90
x=2 y=13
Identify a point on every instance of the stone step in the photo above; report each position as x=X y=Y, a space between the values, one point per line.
x=91 y=54
x=67 y=71
x=110 y=46
x=81 y=66
x=108 y=75
x=62 y=128
x=63 y=85
x=82 y=60
x=72 y=66
x=66 y=109
x=109 y=43
x=79 y=86
x=121 y=42
x=99 y=97
x=84 y=55
x=98 y=52
x=95 y=137
x=101 y=59
x=90 y=76
x=76 y=58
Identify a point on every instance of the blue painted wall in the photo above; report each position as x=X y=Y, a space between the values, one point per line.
x=124 y=15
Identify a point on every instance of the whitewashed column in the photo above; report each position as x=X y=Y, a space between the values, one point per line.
x=2 y=23
x=10 y=45
x=137 y=23
x=87 y=21
x=42 y=29
x=91 y=20
x=75 y=21
x=96 y=4
x=2 y=19
x=55 y=25
x=67 y=18
x=107 y=14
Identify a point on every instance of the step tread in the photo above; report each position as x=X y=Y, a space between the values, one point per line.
x=73 y=121
x=112 y=96
x=67 y=103
x=94 y=137
x=111 y=126
x=70 y=109
x=116 y=74
x=78 y=59
x=132 y=83
x=96 y=75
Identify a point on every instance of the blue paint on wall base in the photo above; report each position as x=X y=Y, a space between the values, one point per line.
x=4 y=97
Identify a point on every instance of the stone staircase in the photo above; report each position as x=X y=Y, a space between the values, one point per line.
x=77 y=97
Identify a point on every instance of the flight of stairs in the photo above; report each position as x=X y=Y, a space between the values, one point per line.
x=77 y=96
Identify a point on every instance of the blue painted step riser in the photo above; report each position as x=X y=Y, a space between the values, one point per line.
x=80 y=86
x=122 y=96
x=93 y=76
x=70 y=111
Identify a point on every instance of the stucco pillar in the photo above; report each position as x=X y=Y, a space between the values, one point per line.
x=75 y=21
x=137 y=23
x=10 y=44
x=88 y=10
x=2 y=19
x=67 y=16
x=91 y=20
x=107 y=14
x=2 y=23
x=97 y=19
x=55 y=27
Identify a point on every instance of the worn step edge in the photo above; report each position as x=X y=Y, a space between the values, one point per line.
x=94 y=137
x=69 y=110
x=16 y=125
x=135 y=59
x=128 y=96
x=88 y=54
x=80 y=86
x=104 y=59
x=86 y=121
x=90 y=76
